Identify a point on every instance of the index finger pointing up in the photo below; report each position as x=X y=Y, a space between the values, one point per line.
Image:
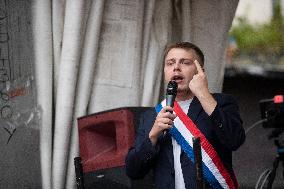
x=198 y=67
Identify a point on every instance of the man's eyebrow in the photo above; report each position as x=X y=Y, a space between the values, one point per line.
x=172 y=59
x=186 y=59
x=182 y=59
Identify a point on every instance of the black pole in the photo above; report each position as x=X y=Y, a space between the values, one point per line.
x=198 y=162
x=79 y=173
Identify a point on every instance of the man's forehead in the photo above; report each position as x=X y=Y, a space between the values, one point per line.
x=190 y=53
x=181 y=59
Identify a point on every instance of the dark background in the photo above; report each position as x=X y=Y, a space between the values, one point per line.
x=258 y=152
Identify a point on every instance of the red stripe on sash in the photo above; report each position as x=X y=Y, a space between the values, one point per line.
x=208 y=148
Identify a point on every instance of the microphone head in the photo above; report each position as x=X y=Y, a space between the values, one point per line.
x=172 y=88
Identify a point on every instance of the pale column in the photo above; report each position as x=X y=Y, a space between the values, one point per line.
x=85 y=80
x=68 y=70
x=43 y=71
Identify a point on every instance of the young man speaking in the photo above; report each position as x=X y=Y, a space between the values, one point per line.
x=214 y=118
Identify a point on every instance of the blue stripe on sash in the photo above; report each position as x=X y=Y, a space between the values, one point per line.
x=189 y=151
x=158 y=108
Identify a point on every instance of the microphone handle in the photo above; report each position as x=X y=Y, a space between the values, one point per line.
x=170 y=100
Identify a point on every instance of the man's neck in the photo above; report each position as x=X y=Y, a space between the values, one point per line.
x=184 y=96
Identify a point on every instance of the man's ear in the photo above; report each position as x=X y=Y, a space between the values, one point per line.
x=202 y=66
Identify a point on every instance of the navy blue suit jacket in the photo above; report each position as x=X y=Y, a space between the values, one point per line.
x=223 y=129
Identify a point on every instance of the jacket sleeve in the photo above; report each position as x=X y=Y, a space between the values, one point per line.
x=227 y=121
x=141 y=156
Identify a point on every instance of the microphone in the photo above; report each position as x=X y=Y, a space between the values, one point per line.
x=171 y=96
x=171 y=93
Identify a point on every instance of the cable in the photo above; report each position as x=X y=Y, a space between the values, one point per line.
x=267 y=171
x=255 y=124
x=264 y=181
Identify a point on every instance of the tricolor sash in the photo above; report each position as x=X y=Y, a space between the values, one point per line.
x=183 y=131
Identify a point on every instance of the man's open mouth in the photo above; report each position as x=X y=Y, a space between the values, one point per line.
x=177 y=78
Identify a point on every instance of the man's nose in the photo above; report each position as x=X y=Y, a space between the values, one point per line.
x=177 y=66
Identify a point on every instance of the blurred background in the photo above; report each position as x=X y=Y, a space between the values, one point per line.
x=61 y=60
x=255 y=63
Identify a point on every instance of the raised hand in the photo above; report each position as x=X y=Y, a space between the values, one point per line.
x=199 y=87
x=199 y=84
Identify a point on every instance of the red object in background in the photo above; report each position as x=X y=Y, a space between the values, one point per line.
x=278 y=99
x=105 y=139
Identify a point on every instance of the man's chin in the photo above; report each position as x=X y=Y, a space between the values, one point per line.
x=183 y=90
x=182 y=87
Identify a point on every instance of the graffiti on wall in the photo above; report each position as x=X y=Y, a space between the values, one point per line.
x=17 y=96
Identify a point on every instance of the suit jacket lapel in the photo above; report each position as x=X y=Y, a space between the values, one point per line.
x=194 y=109
x=167 y=138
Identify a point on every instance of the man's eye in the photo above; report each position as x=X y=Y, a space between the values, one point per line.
x=187 y=62
x=170 y=63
